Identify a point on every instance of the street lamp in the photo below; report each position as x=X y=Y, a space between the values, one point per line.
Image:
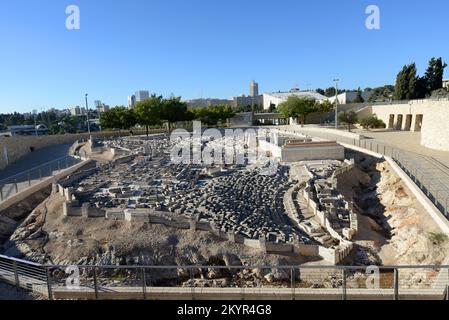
x=35 y=125
x=336 y=103
x=87 y=112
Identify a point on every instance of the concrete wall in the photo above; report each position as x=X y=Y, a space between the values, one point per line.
x=312 y=153
x=428 y=116
x=310 y=130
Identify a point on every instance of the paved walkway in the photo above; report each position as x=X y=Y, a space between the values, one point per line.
x=35 y=159
x=45 y=162
x=408 y=141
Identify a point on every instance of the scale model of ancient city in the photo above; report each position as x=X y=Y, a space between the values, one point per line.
x=274 y=206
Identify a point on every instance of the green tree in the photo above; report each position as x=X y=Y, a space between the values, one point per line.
x=211 y=115
x=349 y=118
x=174 y=110
x=297 y=107
x=359 y=98
x=330 y=92
x=109 y=119
x=118 y=118
x=148 y=112
x=407 y=83
x=371 y=122
x=127 y=117
x=382 y=94
x=320 y=91
x=323 y=107
x=433 y=77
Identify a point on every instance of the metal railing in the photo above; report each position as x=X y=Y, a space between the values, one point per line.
x=15 y=184
x=430 y=175
x=227 y=282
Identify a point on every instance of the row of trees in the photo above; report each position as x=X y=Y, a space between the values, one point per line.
x=409 y=85
x=299 y=108
x=156 y=111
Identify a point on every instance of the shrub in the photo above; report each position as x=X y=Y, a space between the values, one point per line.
x=437 y=238
x=372 y=122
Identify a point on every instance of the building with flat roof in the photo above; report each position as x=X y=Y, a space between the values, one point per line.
x=290 y=149
x=142 y=95
x=253 y=89
x=131 y=101
x=275 y=98
x=75 y=111
x=349 y=97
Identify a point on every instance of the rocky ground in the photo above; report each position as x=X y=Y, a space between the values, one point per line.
x=394 y=228
x=11 y=218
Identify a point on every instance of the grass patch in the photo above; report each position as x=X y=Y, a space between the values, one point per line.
x=437 y=238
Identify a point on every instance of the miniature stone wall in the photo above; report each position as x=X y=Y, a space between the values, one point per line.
x=343 y=250
x=77 y=176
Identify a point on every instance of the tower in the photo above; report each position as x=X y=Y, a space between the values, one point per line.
x=253 y=89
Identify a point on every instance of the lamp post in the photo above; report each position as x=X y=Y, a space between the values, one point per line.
x=87 y=112
x=336 y=103
x=35 y=125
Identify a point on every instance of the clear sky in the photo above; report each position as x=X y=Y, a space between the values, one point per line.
x=206 y=48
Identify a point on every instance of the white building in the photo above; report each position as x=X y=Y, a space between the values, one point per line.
x=131 y=101
x=142 y=95
x=349 y=97
x=75 y=111
x=446 y=84
x=254 y=99
x=103 y=108
x=293 y=149
x=275 y=98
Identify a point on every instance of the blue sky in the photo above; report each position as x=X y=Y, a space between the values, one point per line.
x=206 y=48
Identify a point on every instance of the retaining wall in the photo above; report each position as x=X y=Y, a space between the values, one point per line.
x=14 y=148
x=41 y=185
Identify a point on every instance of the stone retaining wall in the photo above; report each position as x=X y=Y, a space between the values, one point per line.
x=344 y=249
x=14 y=148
